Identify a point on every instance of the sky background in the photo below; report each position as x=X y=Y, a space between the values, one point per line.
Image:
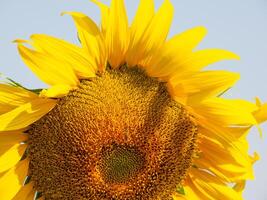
x=236 y=25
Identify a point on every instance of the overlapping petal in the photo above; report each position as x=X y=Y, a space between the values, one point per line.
x=12 y=137
x=166 y=60
x=56 y=91
x=60 y=49
x=140 y=24
x=11 y=97
x=199 y=86
x=14 y=178
x=203 y=185
x=226 y=112
x=230 y=162
x=175 y=66
x=153 y=36
x=261 y=113
x=92 y=41
x=104 y=15
x=27 y=192
x=117 y=34
x=11 y=157
x=49 y=69
x=26 y=114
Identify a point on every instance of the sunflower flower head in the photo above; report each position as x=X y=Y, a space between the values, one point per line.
x=128 y=114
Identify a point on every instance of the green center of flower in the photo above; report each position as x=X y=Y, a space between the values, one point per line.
x=121 y=163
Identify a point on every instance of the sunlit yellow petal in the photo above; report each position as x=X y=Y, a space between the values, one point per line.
x=91 y=40
x=11 y=157
x=12 y=181
x=67 y=52
x=155 y=34
x=56 y=91
x=11 y=97
x=49 y=69
x=200 y=59
x=140 y=24
x=179 y=197
x=254 y=158
x=230 y=163
x=186 y=41
x=117 y=37
x=240 y=185
x=203 y=58
x=25 y=114
x=164 y=62
x=203 y=85
x=27 y=192
x=191 y=192
x=207 y=186
x=224 y=152
x=227 y=112
x=261 y=113
x=104 y=15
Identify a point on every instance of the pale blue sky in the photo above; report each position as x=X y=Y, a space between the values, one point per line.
x=237 y=25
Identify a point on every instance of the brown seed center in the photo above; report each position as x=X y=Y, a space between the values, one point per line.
x=119 y=136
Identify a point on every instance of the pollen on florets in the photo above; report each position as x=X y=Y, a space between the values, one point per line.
x=119 y=136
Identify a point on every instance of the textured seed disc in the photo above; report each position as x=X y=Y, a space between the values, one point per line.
x=119 y=136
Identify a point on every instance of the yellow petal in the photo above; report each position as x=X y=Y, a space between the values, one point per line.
x=117 y=36
x=56 y=91
x=104 y=15
x=203 y=84
x=190 y=190
x=48 y=68
x=206 y=186
x=12 y=181
x=179 y=197
x=224 y=151
x=254 y=158
x=67 y=52
x=11 y=97
x=202 y=58
x=12 y=137
x=261 y=113
x=186 y=41
x=27 y=192
x=21 y=41
x=227 y=112
x=174 y=51
x=91 y=39
x=155 y=35
x=240 y=185
x=221 y=133
x=178 y=93
x=230 y=162
x=140 y=23
x=25 y=114
x=5 y=108
x=11 y=157
x=206 y=57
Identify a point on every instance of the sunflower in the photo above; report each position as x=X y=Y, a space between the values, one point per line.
x=129 y=114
